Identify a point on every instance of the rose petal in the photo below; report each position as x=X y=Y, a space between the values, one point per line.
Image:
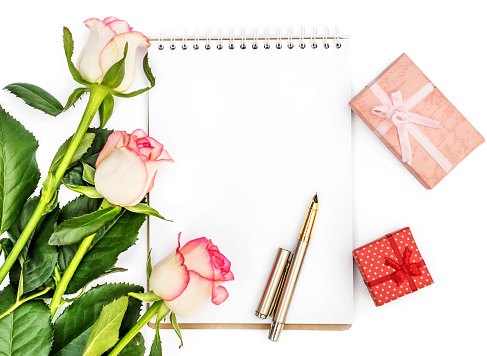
x=151 y=167
x=194 y=296
x=119 y=26
x=197 y=258
x=109 y=19
x=221 y=263
x=112 y=142
x=169 y=277
x=165 y=156
x=151 y=185
x=89 y=59
x=157 y=148
x=122 y=177
x=113 y=52
x=218 y=294
x=140 y=133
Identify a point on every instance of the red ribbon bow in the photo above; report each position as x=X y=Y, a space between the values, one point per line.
x=405 y=269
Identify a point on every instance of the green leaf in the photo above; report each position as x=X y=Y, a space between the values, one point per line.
x=156 y=348
x=90 y=192
x=101 y=137
x=41 y=257
x=80 y=206
x=68 y=51
x=83 y=147
x=74 y=97
x=19 y=173
x=104 y=333
x=106 y=109
x=144 y=209
x=76 y=229
x=73 y=327
x=37 y=255
x=148 y=297
x=104 y=254
x=135 y=347
x=19 y=225
x=74 y=175
x=113 y=270
x=36 y=97
x=114 y=76
x=88 y=173
x=176 y=328
x=27 y=331
x=7 y=299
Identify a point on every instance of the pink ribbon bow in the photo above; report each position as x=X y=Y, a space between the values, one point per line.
x=396 y=112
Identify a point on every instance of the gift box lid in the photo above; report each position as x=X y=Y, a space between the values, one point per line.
x=453 y=138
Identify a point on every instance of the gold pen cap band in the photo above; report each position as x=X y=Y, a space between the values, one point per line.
x=275 y=278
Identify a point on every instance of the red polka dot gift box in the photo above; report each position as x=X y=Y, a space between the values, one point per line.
x=392 y=266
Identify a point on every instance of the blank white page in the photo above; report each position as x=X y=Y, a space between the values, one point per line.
x=254 y=135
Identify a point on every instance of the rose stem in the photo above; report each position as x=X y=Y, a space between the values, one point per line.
x=73 y=265
x=158 y=306
x=97 y=94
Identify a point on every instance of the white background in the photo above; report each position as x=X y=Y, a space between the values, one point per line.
x=446 y=39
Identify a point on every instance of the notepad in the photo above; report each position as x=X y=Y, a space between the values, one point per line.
x=254 y=134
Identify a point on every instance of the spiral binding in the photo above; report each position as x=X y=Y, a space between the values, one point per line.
x=314 y=38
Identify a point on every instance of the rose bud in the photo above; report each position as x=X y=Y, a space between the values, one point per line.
x=105 y=47
x=127 y=166
x=188 y=276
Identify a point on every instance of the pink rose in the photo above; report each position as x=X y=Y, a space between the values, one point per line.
x=127 y=166
x=105 y=47
x=189 y=275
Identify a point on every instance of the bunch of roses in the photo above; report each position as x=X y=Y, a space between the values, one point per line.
x=52 y=251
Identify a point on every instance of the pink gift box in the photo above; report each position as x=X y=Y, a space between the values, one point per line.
x=418 y=124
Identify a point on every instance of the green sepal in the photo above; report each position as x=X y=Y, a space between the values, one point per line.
x=148 y=266
x=148 y=297
x=106 y=109
x=162 y=312
x=19 y=172
x=53 y=204
x=74 y=97
x=90 y=192
x=149 y=76
x=76 y=229
x=83 y=147
x=68 y=51
x=104 y=333
x=88 y=173
x=148 y=71
x=114 y=76
x=36 y=97
x=142 y=208
x=176 y=328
